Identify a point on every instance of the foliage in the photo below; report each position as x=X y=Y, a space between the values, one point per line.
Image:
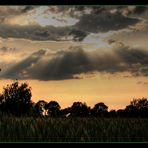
x=100 y=109
x=40 y=107
x=137 y=108
x=80 y=109
x=53 y=108
x=16 y=99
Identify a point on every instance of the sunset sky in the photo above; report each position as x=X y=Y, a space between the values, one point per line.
x=76 y=53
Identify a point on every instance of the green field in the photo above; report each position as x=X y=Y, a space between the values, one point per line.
x=73 y=130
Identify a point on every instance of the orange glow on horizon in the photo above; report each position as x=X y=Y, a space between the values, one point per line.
x=116 y=93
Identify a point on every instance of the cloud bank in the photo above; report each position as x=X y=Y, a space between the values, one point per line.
x=90 y=20
x=67 y=64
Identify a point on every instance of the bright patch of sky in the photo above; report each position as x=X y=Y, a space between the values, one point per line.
x=41 y=16
x=96 y=41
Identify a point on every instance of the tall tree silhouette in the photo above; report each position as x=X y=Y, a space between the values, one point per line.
x=16 y=99
x=53 y=108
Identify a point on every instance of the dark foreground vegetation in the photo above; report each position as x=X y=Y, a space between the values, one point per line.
x=22 y=120
x=29 y=129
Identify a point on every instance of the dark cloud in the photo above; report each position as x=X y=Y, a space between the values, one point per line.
x=33 y=32
x=136 y=60
x=100 y=19
x=64 y=65
x=78 y=35
x=39 y=33
x=7 y=12
x=104 y=22
x=125 y=10
x=143 y=83
x=28 y=8
x=19 y=70
x=71 y=11
x=5 y=49
x=111 y=41
x=133 y=56
x=140 y=9
x=69 y=63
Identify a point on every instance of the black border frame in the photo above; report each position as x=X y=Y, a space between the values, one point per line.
x=73 y=2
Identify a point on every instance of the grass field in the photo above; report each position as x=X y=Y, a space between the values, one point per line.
x=73 y=130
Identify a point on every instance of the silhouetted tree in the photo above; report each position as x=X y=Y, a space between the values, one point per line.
x=40 y=107
x=80 y=109
x=140 y=103
x=53 y=108
x=137 y=108
x=16 y=99
x=100 y=109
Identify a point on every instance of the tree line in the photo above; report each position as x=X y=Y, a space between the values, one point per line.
x=16 y=100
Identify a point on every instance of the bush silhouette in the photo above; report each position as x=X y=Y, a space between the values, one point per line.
x=80 y=109
x=53 y=108
x=100 y=109
x=40 y=107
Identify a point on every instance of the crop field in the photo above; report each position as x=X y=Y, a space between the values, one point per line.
x=29 y=129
